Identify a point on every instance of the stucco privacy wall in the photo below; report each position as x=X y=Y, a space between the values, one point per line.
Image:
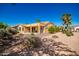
x=75 y=28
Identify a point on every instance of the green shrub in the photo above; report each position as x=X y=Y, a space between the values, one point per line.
x=68 y=33
x=53 y=29
x=3 y=25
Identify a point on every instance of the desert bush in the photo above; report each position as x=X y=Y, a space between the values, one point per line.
x=35 y=41
x=6 y=37
x=68 y=33
x=6 y=33
x=53 y=29
x=12 y=31
x=55 y=36
x=2 y=31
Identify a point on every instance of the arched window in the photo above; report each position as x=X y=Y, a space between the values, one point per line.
x=20 y=28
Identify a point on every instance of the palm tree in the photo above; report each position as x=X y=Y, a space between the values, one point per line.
x=67 y=20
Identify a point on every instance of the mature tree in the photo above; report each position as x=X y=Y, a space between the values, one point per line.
x=67 y=20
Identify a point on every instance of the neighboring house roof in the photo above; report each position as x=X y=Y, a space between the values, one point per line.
x=75 y=26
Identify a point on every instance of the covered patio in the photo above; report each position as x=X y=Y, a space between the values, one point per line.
x=31 y=29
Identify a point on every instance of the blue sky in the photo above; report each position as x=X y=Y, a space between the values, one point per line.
x=29 y=12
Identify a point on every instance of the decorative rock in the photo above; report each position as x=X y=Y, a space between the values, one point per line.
x=45 y=55
x=40 y=53
x=36 y=54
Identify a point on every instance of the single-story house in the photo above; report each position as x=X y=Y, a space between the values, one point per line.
x=41 y=27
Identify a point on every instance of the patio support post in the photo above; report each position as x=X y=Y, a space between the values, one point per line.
x=30 y=29
x=38 y=28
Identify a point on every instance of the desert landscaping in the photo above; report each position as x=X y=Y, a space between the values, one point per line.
x=72 y=42
x=46 y=39
x=39 y=29
x=57 y=44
